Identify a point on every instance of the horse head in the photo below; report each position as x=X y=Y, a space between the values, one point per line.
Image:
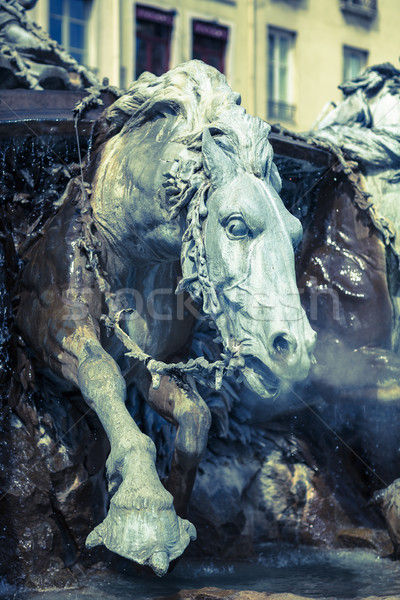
x=238 y=256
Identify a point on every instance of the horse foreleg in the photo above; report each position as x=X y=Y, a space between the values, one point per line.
x=184 y=407
x=141 y=523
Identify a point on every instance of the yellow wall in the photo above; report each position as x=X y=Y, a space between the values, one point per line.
x=321 y=31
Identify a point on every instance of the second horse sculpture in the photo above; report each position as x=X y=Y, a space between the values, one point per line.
x=178 y=170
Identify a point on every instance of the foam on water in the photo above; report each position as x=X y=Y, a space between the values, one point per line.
x=316 y=573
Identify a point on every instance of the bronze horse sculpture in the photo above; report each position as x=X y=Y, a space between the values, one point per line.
x=180 y=181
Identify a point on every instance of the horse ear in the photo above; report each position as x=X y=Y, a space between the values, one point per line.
x=217 y=164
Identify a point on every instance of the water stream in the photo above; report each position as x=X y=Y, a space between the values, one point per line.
x=316 y=573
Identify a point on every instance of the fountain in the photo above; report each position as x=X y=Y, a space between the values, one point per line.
x=298 y=469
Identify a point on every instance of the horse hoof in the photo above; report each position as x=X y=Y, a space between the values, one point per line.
x=159 y=562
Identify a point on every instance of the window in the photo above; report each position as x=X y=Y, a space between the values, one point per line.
x=363 y=8
x=354 y=61
x=209 y=43
x=153 y=40
x=68 y=24
x=280 y=75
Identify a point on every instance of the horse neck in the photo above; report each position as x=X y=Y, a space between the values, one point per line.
x=128 y=209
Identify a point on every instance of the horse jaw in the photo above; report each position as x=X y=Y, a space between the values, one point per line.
x=258 y=368
x=258 y=378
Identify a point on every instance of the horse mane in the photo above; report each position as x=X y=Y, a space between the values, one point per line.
x=194 y=90
x=198 y=97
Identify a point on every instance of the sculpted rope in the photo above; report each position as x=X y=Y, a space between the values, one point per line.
x=206 y=373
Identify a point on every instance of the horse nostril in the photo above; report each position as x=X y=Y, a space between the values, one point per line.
x=283 y=344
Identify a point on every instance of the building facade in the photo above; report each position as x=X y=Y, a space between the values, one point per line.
x=285 y=57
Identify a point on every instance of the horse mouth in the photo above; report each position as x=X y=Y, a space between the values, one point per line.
x=260 y=379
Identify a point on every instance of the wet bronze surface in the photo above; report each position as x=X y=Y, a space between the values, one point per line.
x=342 y=270
x=343 y=282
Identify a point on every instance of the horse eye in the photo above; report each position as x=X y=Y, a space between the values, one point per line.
x=237 y=229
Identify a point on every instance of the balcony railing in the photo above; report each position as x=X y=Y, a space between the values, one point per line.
x=363 y=8
x=281 y=111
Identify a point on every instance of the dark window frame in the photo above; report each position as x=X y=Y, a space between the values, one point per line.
x=161 y=22
x=359 y=53
x=66 y=22
x=209 y=43
x=278 y=107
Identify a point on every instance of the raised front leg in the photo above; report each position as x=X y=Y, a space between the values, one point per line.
x=180 y=404
x=141 y=523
